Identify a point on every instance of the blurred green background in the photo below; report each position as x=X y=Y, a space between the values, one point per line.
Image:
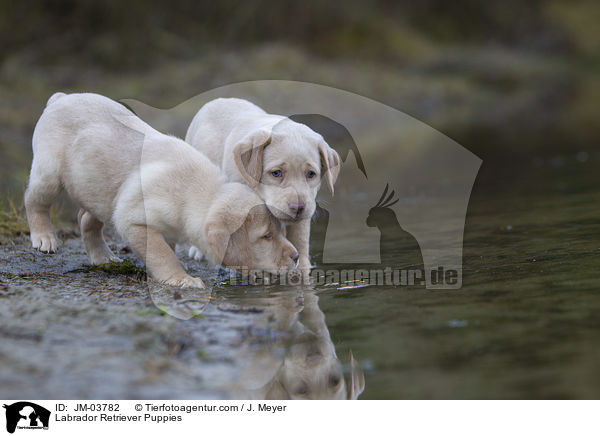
x=515 y=82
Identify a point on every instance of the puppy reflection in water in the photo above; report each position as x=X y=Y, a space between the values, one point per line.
x=308 y=367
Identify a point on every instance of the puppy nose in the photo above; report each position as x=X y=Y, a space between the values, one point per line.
x=295 y=256
x=297 y=207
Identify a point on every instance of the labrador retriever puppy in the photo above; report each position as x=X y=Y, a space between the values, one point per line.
x=283 y=161
x=154 y=188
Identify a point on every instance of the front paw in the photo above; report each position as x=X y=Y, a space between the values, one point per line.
x=302 y=272
x=186 y=282
x=304 y=264
x=46 y=242
x=195 y=253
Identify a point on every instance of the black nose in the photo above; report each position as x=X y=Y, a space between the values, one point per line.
x=295 y=256
x=297 y=208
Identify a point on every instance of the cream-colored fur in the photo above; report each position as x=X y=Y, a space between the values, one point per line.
x=310 y=368
x=155 y=189
x=251 y=146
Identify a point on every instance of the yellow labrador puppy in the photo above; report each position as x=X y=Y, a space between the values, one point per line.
x=283 y=161
x=155 y=189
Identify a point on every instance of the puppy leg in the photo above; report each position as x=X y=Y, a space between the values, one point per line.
x=44 y=187
x=312 y=316
x=93 y=239
x=160 y=259
x=298 y=234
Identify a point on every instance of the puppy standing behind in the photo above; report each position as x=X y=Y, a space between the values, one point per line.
x=283 y=161
x=153 y=187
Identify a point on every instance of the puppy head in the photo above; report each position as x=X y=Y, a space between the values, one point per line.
x=311 y=371
x=286 y=166
x=240 y=232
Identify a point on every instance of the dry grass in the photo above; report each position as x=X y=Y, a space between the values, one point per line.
x=12 y=219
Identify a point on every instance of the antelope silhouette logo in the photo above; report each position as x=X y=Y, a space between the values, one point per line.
x=26 y=415
x=336 y=134
x=397 y=247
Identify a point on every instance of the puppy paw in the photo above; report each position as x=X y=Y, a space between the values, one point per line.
x=299 y=276
x=186 y=282
x=45 y=242
x=195 y=253
x=303 y=269
x=304 y=264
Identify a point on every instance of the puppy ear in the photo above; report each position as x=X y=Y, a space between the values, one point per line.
x=217 y=238
x=248 y=156
x=357 y=379
x=223 y=232
x=330 y=164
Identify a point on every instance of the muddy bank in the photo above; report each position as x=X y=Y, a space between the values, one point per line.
x=70 y=331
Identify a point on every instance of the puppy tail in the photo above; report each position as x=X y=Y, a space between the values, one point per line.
x=55 y=97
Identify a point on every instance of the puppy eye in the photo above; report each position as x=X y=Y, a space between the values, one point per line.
x=276 y=173
x=334 y=380
x=301 y=390
x=268 y=236
x=310 y=174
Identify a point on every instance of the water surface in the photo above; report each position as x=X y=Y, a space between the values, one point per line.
x=525 y=323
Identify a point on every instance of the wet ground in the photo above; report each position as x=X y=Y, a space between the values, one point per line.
x=524 y=325
x=71 y=331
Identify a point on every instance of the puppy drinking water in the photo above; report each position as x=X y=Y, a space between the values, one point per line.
x=154 y=188
x=283 y=161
